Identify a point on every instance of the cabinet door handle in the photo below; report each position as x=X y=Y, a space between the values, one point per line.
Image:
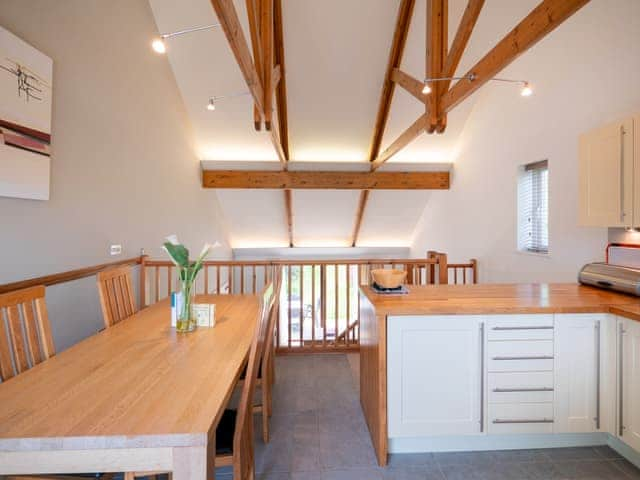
x=621 y=333
x=481 y=377
x=538 y=327
x=523 y=389
x=597 y=335
x=622 y=212
x=524 y=420
x=528 y=357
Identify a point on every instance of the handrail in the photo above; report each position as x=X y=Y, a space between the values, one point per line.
x=342 y=261
x=68 y=276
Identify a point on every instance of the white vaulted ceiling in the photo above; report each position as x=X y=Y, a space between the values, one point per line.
x=336 y=53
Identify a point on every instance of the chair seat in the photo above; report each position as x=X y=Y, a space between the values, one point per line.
x=224 y=432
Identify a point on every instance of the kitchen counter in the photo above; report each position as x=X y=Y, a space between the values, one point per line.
x=503 y=298
x=483 y=299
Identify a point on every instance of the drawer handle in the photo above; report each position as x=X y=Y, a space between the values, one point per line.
x=534 y=389
x=529 y=357
x=549 y=327
x=524 y=420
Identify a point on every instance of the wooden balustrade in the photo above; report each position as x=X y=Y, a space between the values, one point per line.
x=319 y=303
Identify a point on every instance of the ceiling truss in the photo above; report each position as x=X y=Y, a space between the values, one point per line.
x=264 y=72
x=263 y=69
x=441 y=62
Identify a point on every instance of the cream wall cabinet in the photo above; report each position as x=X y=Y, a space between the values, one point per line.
x=606 y=175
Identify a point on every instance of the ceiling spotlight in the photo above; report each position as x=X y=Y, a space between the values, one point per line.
x=426 y=89
x=211 y=106
x=526 y=91
x=159 y=46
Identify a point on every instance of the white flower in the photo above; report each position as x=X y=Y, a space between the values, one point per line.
x=172 y=239
x=206 y=249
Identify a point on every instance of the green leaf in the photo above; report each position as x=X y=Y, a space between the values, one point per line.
x=178 y=253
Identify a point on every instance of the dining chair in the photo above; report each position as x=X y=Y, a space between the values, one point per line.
x=116 y=294
x=25 y=332
x=234 y=435
x=266 y=373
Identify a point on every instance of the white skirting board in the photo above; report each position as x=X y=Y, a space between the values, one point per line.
x=462 y=443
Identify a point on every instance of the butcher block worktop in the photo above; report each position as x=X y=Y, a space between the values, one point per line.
x=503 y=298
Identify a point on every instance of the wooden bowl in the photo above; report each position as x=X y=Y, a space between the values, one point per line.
x=388 y=278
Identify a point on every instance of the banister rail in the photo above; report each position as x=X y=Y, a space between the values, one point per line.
x=68 y=276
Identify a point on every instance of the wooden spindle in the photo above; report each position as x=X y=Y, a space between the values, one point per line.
x=157 y=283
x=346 y=337
x=289 y=302
x=301 y=286
x=313 y=306
x=253 y=275
x=206 y=280
x=335 y=335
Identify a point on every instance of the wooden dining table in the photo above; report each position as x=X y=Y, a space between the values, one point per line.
x=137 y=397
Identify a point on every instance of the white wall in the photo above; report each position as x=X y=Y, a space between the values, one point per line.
x=585 y=73
x=123 y=168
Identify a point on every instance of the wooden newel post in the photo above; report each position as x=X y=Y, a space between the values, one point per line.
x=431 y=269
x=474 y=269
x=443 y=271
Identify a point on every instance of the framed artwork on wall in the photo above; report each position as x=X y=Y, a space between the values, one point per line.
x=26 y=81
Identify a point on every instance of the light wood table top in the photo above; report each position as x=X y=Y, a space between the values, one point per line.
x=137 y=384
x=500 y=298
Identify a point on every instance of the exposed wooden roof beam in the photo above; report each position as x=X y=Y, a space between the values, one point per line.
x=543 y=19
x=266 y=45
x=230 y=24
x=467 y=22
x=254 y=16
x=436 y=51
x=325 y=180
x=281 y=89
x=410 y=134
x=289 y=212
x=362 y=202
x=409 y=83
x=403 y=20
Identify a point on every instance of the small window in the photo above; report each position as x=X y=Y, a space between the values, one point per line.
x=533 y=208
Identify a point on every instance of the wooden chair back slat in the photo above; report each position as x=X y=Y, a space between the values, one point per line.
x=31 y=330
x=17 y=339
x=115 y=287
x=243 y=456
x=25 y=333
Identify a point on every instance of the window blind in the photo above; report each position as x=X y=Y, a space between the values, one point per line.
x=533 y=204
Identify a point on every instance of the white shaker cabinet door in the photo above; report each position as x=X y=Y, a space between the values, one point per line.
x=435 y=370
x=577 y=372
x=629 y=375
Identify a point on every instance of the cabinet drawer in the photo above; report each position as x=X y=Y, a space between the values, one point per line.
x=520 y=387
x=521 y=418
x=520 y=327
x=520 y=356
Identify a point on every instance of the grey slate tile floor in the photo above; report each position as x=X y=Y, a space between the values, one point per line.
x=319 y=433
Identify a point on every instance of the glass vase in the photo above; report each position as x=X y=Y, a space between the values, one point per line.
x=186 y=320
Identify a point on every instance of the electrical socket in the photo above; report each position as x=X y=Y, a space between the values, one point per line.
x=115 y=249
